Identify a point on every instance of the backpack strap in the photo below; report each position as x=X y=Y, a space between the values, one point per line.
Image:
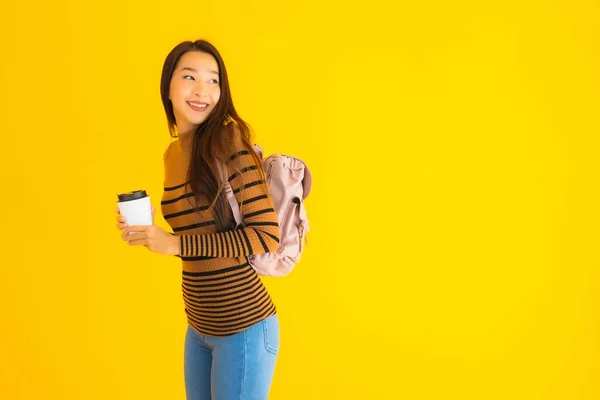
x=235 y=207
x=222 y=170
x=259 y=150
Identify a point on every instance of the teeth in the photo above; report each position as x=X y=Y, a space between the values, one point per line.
x=198 y=105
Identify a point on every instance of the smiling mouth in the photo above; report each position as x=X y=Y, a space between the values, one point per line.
x=198 y=106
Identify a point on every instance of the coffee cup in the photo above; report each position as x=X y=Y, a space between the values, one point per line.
x=135 y=207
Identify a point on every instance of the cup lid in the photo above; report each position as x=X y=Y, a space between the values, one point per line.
x=134 y=195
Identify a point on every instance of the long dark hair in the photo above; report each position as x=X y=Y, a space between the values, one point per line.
x=213 y=139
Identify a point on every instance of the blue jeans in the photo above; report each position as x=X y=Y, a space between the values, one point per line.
x=234 y=367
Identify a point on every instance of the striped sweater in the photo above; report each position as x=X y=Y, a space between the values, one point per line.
x=222 y=293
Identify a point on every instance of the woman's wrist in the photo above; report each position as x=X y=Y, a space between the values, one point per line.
x=175 y=250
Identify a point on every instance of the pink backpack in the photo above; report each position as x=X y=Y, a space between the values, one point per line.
x=289 y=182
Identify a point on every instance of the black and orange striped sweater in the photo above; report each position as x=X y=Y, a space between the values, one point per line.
x=222 y=293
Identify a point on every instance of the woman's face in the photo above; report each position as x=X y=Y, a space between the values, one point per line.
x=194 y=90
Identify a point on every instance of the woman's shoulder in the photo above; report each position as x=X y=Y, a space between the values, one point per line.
x=169 y=150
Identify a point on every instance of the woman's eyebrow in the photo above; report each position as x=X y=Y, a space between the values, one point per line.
x=196 y=71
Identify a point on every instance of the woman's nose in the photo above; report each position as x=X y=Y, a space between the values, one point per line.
x=201 y=91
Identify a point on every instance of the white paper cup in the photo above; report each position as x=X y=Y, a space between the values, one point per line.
x=135 y=207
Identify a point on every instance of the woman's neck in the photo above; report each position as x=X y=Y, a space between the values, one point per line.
x=186 y=140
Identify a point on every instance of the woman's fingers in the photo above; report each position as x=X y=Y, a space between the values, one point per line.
x=121 y=220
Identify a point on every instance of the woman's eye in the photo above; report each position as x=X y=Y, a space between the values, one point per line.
x=214 y=81
x=188 y=76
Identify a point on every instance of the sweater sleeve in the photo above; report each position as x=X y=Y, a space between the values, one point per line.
x=260 y=232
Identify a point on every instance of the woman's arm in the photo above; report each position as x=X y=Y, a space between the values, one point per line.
x=260 y=232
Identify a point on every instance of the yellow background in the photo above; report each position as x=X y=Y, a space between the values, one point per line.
x=455 y=225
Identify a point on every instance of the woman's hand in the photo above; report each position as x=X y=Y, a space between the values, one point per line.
x=153 y=237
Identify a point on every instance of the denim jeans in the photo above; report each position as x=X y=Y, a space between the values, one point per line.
x=234 y=367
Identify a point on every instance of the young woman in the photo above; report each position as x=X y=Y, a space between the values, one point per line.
x=232 y=335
